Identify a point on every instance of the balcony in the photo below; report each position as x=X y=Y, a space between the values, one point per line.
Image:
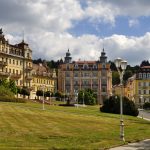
x=4 y=74
x=28 y=68
x=15 y=76
x=3 y=64
x=28 y=77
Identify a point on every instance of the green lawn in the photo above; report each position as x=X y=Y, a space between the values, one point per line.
x=27 y=126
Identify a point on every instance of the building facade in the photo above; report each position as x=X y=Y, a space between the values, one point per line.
x=16 y=64
x=74 y=76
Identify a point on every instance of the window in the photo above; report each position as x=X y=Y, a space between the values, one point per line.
x=9 y=70
x=140 y=75
x=94 y=66
x=144 y=75
x=13 y=61
x=76 y=66
x=17 y=62
x=10 y=61
x=139 y=91
x=13 y=71
x=85 y=66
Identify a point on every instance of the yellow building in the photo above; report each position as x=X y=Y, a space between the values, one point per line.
x=142 y=85
x=79 y=75
x=16 y=64
x=43 y=79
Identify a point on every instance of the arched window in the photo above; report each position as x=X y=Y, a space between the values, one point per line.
x=94 y=66
x=76 y=66
x=85 y=66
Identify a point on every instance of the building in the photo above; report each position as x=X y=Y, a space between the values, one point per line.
x=142 y=86
x=43 y=79
x=16 y=64
x=79 y=75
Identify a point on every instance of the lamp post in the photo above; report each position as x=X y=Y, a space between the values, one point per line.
x=76 y=96
x=83 y=98
x=121 y=66
x=43 y=98
x=141 y=97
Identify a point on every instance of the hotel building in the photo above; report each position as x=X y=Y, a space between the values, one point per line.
x=79 y=75
x=16 y=64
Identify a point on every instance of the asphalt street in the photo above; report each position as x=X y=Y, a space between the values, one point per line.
x=142 y=145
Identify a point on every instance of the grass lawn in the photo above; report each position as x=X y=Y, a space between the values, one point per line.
x=27 y=126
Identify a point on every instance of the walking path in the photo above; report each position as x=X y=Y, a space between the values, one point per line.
x=142 y=145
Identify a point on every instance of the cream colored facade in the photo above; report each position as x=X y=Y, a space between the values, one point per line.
x=16 y=64
x=138 y=86
x=79 y=75
x=43 y=79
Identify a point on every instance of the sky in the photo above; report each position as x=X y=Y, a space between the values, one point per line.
x=85 y=27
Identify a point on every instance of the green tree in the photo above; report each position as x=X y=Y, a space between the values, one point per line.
x=25 y=92
x=12 y=86
x=115 y=78
x=39 y=93
x=88 y=96
x=112 y=105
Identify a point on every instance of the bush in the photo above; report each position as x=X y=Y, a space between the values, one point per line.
x=11 y=99
x=112 y=105
x=6 y=92
x=146 y=105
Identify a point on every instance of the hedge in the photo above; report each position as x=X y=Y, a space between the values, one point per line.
x=9 y=99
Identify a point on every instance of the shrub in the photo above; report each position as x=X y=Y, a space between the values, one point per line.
x=112 y=105
x=146 y=105
x=6 y=92
x=11 y=99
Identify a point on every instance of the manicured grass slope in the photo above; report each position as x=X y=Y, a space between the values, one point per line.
x=27 y=126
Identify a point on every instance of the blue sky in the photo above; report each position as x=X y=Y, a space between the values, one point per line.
x=83 y=26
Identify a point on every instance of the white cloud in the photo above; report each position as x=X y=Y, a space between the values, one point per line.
x=46 y=24
x=133 y=23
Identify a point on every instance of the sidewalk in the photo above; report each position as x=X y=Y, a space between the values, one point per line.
x=142 y=145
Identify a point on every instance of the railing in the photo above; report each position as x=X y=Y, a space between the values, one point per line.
x=29 y=68
x=6 y=74
x=28 y=77
x=2 y=63
x=15 y=76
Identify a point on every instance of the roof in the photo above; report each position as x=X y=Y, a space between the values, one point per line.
x=145 y=67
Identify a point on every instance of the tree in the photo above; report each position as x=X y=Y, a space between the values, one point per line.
x=39 y=93
x=88 y=96
x=25 y=92
x=115 y=78
x=112 y=105
x=145 y=63
x=12 y=86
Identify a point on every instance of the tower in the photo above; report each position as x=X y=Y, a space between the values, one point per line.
x=67 y=57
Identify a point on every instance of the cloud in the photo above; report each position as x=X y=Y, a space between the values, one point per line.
x=133 y=23
x=46 y=25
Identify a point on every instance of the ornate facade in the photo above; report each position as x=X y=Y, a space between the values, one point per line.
x=16 y=64
x=79 y=75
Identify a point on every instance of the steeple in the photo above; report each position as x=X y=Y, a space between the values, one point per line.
x=103 y=57
x=68 y=58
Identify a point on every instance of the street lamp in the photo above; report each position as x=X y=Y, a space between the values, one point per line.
x=121 y=66
x=83 y=98
x=76 y=96
x=43 y=98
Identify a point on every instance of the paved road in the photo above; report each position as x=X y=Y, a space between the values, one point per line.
x=144 y=114
x=143 y=145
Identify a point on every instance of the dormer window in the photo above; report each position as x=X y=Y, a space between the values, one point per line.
x=85 y=66
x=76 y=66
x=94 y=66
